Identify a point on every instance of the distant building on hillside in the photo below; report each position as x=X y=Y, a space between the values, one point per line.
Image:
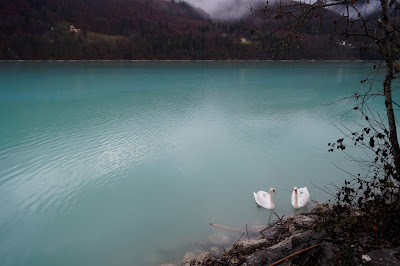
x=73 y=29
x=343 y=43
x=243 y=39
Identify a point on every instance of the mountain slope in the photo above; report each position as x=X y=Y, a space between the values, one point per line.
x=141 y=29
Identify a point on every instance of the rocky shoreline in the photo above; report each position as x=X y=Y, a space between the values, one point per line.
x=296 y=241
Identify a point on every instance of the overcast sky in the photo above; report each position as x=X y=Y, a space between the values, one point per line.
x=235 y=9
x=225 y=9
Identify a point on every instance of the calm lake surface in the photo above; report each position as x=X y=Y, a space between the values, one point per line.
x=128 y=163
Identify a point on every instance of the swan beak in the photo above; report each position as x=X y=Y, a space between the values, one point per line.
x=274 y=192
x=295 y=191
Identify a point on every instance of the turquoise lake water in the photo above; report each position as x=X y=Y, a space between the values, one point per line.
x=128 y=163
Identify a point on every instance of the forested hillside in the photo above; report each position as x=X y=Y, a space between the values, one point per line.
x=142 y=29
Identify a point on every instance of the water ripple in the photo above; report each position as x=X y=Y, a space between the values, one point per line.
x=78 y=158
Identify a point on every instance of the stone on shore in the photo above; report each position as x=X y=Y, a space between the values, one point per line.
x=382 y=256
x=216 y=252
x=203 y=258
x=285 y=238
x=246 y=246
x=189 y=259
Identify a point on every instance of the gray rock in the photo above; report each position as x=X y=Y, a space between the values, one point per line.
x=246 y=246
x=189 y=259
x=265 y=257
x=234 y=260
x=382 y=256
x=302 y=219
x=271 y=254
x=366 y=258
x=203 y=258
x=301 y=238
x=216 y=252
x=363 y=239
x=287 y=243
x=292 y=229
x=272 y=231
x=319 y=208
x=328 y=254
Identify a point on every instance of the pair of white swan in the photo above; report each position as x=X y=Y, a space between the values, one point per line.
x=300 y=198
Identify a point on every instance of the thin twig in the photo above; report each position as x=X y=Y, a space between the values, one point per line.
x=233 y=246
x=327 y=192
x=239 y=238
x=279 y=218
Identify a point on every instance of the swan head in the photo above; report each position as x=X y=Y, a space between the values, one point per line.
x=295 y=190
x=272 y=190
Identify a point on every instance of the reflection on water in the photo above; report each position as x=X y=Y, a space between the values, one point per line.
x=121 y=163
x=269 y=216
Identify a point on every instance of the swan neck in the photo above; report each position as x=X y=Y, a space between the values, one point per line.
x=270 y=197
x=296 y=203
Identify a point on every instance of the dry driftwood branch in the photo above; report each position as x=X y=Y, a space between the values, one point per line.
x=225 y=227
x=294 y=254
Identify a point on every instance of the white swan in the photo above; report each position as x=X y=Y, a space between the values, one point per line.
x=300 y=197
x=264 y=199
